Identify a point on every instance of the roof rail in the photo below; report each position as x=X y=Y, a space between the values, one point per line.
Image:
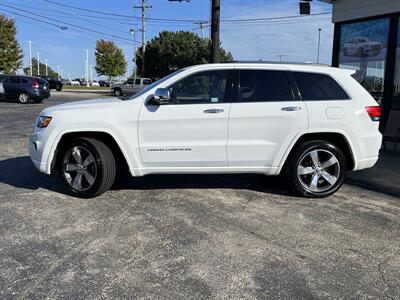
x=280 y=62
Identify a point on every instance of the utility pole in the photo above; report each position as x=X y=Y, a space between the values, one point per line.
x=201 y=26
x=215 y=14
x=61 y=75
x=58 y=71
x=47 y=73
x=91 y=73
x=133 y=31
x=143 y=7
x=280 y=56
x=87 y=67
x=38 y=63
x=319 y=42
x=30 y=57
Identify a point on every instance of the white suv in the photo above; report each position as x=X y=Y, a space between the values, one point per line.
x=309 y=123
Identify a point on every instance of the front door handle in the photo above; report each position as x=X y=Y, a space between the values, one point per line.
x=213 y=111
x=291 y=108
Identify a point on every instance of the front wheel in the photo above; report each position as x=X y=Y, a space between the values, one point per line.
x=316 y=169
x=117 y=92
x=58 y=87
x=87 y=167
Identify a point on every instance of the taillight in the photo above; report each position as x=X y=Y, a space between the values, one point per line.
x=374 y=112
x=35 y=83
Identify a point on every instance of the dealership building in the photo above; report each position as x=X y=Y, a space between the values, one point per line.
x=367 y=39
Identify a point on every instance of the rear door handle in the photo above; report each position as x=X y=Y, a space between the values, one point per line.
x=213 y=111
x=291 y=108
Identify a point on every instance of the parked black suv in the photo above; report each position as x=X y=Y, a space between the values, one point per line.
x=25 y=89
x=54 y=83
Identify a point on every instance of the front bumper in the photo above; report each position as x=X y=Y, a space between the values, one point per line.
x=39 y=149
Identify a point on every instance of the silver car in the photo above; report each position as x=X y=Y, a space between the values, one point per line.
x=130 y=87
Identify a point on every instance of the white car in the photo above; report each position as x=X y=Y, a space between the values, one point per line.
x=361 y=46
x=310 y=123
x=75 y=83
x=95 y=83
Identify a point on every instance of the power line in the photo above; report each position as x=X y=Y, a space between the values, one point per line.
x=69 y=24
x=49 y=23
x=184 y=20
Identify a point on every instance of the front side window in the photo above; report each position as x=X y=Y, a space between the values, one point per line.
x=315 y=86
x=129 y=81
x=146 y=81
x=200 y=88
x=396 y=94
x=264 y=86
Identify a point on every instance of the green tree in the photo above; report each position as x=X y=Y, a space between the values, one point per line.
x=110 y=59
x=10 y=50
x=170 y=51
x=42 y=67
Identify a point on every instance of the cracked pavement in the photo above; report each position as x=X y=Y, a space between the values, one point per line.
x=186 y=236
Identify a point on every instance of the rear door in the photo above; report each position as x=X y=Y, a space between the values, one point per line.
x=265 y=118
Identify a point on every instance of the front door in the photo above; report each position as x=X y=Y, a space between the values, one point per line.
x=2 y=95
x=264 y=119
x=191 y=131
x=11 y=86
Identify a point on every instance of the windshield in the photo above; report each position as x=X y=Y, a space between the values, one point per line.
x=155 y=83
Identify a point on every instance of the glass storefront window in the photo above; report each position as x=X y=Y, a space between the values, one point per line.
x=363 y=47
x=396 y=94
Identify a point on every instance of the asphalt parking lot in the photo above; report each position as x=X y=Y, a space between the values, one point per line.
x=186 y=237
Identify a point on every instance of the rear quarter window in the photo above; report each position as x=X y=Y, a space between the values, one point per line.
x=314 y=86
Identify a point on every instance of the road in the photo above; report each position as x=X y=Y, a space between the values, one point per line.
x=186 y=236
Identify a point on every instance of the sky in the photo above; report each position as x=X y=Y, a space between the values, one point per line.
x=296 y=38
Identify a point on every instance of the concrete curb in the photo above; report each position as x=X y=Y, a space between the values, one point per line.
x=376 y=187
x=87 y=91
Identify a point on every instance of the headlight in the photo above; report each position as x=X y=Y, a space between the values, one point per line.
x=43 y=121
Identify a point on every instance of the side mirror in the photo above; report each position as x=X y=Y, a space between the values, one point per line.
x=161 y=97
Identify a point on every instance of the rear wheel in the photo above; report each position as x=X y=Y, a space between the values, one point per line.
x=23 y=98
x=58 y=87
x=87 y=167
x=316 y=169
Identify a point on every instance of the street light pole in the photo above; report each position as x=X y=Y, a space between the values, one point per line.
x=38 y=63
x=87 y=67
x=319 y=42
x=30 y=57
x=58 y=71
x=47 y=73
x=215 y=14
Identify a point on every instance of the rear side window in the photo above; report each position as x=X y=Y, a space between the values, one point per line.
x=24 y=80
x=315 y=86
x=137 y=81
x=13 y=80
x=264 y=86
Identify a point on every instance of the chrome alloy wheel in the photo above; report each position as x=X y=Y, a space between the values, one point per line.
x=318 y=170
x=80 y=169
x=23 y=98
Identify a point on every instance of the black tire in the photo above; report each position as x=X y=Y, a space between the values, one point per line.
x=360 y=52
x=38 y=100
x=117 y=92
x=299 y=182
x=24 y=98
x=103 y=163
x=58 y=87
